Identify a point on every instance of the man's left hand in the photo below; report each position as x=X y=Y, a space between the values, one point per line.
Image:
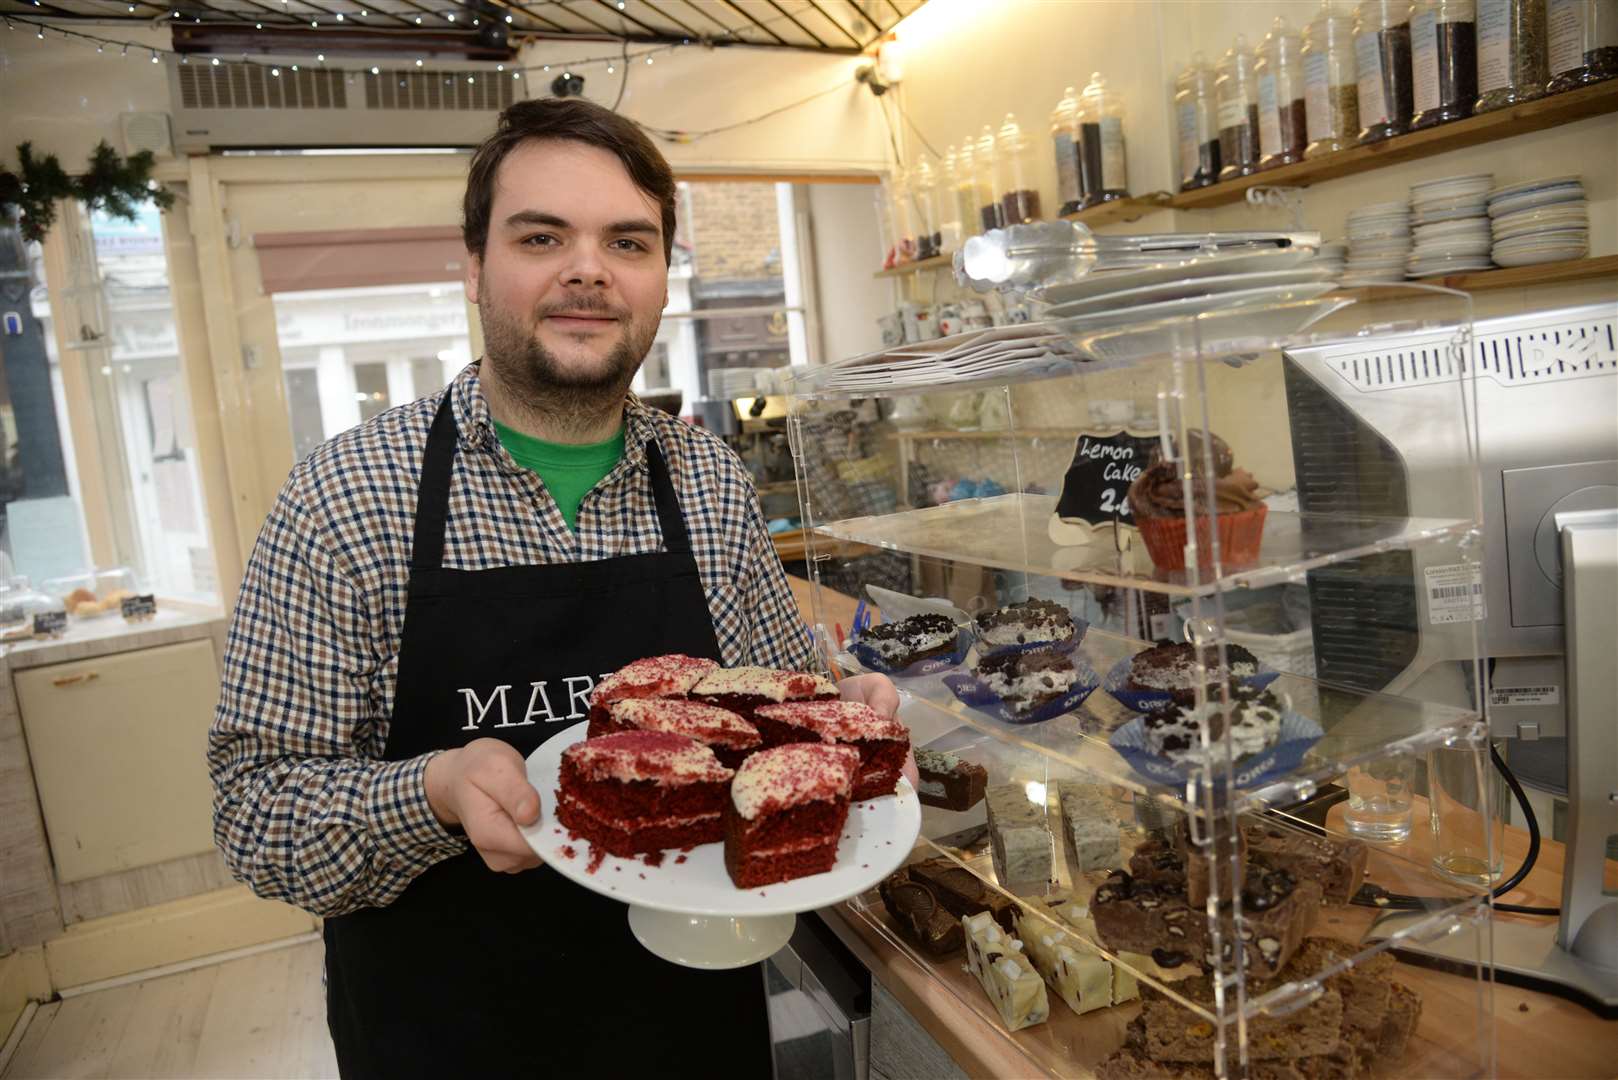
x=878 y=692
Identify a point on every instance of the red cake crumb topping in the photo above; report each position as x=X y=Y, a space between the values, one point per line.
x=787 y=776
x=597 y=857
x=567 y=851
x=705 y=723
x=646 y=755
x=837 y=721
x=653 y=677
x=652 y=858
x=763 y=682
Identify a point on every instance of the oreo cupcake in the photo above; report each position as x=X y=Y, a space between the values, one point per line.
x=1252 y=726
x=1031 y=622
x=1025 y=682
x=1157 y=501
x=1168 y=667
x=908 y=645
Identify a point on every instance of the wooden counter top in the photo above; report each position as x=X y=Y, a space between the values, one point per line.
x=1537 y=1035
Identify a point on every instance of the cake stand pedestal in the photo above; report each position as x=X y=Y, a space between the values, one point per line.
x=713 y=942
x=683 y=905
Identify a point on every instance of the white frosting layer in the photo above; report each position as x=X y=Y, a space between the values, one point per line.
x=791 y=775
x=763 y=682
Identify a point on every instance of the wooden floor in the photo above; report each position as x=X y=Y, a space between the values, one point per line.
x=261 y=1016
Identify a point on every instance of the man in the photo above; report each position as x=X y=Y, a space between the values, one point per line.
x=429 y=601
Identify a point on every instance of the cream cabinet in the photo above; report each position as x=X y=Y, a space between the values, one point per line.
x=119 y=747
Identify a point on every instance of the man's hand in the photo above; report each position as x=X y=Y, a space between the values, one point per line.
x=879 y=693
x=483 y=787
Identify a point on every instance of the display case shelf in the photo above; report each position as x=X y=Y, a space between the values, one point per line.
x=1012 y=532
x=937 y=262
x=1069 y=1044
x=1359 y=726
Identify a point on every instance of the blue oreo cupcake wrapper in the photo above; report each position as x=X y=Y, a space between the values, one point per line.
x=1080 y=628
x=873 y=661
x=973 y=691
x=1298 y=734
x=1143 y=701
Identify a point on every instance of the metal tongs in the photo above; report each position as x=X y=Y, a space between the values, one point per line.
x=1021 y=258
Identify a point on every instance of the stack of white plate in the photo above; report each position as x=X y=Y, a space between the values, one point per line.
x=1378 y=242
x=1450 y=221
x=1332 y=256
x=1540 y=221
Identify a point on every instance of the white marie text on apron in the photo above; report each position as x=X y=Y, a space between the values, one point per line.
x=539 y=703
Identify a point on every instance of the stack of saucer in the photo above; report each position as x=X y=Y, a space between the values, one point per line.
x=1450 y=220
x=1540 y=221
x=1378 y=241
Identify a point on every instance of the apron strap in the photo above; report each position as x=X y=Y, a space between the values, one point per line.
x=669 y=516
x=432 y=494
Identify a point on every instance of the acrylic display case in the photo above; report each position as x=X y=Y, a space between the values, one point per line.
x=1213 y=851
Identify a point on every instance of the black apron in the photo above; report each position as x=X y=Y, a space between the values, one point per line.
x=478 y=974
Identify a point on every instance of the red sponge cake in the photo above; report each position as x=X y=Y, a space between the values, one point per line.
x=744 y=689
x=882 y=742
x=670 y=676
x=642 y=791
x=729 y=736
x=786 y=812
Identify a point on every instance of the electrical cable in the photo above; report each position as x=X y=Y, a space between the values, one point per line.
x=1376 y=896
x=623 y=84
x=930 y=148
x=677 y=135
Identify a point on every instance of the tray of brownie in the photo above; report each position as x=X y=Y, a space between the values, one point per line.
x=713 y=793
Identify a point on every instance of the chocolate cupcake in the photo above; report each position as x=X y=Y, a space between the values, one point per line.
x=1157 y=501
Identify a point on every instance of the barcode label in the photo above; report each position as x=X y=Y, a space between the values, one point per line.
x=1525 y=695
x=1454 y=593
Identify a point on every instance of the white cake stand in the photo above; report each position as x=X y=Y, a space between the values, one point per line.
x=686 y=909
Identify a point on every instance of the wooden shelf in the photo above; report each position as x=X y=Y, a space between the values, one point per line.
x=1518 y=120
x=1517 y=277
x=937 y=262
x=1120 y=210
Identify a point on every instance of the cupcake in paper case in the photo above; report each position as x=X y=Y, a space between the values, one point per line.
x=919 y=645
x=1028 y=624
x=1157 y=502
x=1258 y=733
x=1026 y=686
x=1149 y=680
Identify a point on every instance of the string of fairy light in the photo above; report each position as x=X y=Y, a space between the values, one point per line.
x=156 y=53
x=520 y=72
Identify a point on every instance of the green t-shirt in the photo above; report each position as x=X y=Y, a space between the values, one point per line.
x=569 y=471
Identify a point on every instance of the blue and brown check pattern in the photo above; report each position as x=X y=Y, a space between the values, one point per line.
x=305 y=810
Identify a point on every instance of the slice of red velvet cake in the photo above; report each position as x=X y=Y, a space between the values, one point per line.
x=786 y=812
x=881 y=741
x=729 y=736
x=742 y=690
x=670 y=676
x=641 y=791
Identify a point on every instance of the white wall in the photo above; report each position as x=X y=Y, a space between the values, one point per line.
x=846 y=249
x=66 y=97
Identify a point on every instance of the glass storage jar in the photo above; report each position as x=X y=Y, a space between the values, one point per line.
x=1014 y=165
x=1195 y=115
x=1444 y=60
x=1102 y=172
x=1238 y=111
x=1065 y=145
x=969 y=200
x=1583 y=37
x=924 y=205
x=1382 y=57
x=950 y=228
x=1331 y=91
x=1513 y=59
x=984 y=153
x=1281 y=130
x=904 y=218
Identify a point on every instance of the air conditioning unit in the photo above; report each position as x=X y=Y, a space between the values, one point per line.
x=265 y=104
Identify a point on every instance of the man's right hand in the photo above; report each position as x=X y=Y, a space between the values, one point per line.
x=483 y=787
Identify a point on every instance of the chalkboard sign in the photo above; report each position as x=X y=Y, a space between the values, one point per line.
x=1097 y=483
x=50 y=623
x=137 y=608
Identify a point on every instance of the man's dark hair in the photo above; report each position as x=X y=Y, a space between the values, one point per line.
x=564 y=118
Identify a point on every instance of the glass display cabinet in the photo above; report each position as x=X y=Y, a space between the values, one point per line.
x=1157 y=840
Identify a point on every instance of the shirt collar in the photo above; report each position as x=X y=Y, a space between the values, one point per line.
x=475 y=424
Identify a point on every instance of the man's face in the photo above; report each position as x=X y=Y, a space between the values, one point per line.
x=572 y=282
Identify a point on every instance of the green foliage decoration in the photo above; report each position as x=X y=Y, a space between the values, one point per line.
x=112 y=183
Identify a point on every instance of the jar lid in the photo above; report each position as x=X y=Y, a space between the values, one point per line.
x=1010 y=134
x=1066 y=109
